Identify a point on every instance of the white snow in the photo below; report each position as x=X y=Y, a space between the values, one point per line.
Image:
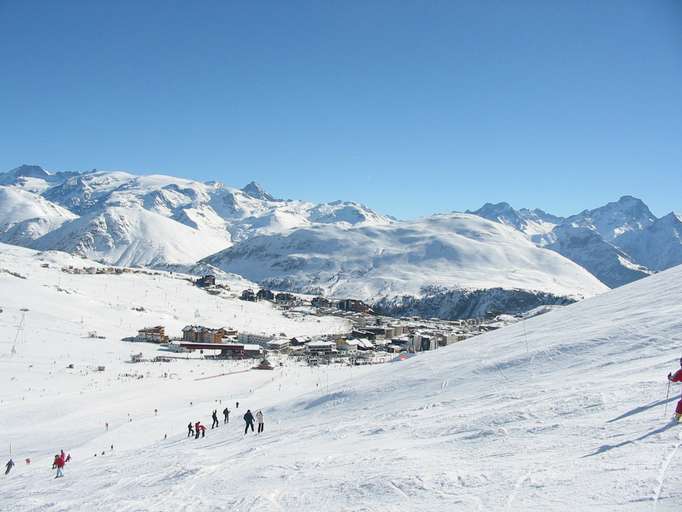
x=564 y=411
x=450 y=251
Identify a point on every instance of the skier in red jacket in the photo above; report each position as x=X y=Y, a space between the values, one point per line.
x=677 y=377
x=59 y=464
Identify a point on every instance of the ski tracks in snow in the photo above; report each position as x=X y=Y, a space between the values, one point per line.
x=517 y=488
x=664 y=469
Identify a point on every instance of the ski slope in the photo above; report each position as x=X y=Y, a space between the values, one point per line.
x=565 y=411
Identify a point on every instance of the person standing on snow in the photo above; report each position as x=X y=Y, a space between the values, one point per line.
x=259 y=419
x=214 y=416
x=199 y=428
x=59 y=464
x=248 y=418
x=9 y=466
x=226 y=414
x=677 y=377
x=190 y=430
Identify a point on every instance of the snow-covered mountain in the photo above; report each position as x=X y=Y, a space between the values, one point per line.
x=534 y=223
x=445 y=252
x=618 y=243
x=659 y=245
x=340 y=248
x=564 y=411
x=616 y=218
x=121 y=218
x=587 y=248
x=25 y=217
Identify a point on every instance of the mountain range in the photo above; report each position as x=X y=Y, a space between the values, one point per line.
x=449 y=265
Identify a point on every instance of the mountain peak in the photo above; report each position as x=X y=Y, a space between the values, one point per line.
x=254 y=190
x=32 y=171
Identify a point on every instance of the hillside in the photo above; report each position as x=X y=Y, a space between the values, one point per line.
x=565 y=410
x=454 y=251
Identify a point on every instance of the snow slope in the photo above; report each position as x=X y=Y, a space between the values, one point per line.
x=25 y=216
x=448 y=251
x=565 y=411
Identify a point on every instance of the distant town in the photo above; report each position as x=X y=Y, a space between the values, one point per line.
x=371 y=339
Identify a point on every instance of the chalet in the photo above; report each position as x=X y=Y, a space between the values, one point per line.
x=355 y=306
x=205 y=281
x=349 y=346
x=265 y=294
x=248 y=295
x=321 y=302
x=155 y=334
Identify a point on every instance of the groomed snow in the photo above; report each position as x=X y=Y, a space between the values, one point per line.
x=564 y=411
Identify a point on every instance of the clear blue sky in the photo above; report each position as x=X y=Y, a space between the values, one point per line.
x=411 y=107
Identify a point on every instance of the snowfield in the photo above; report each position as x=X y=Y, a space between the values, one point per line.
x=564 y=411
x=452 y=251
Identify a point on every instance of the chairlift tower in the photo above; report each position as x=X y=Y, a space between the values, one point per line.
x=20 y=334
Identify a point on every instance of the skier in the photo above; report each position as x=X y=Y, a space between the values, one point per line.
x=199 y=428
x=9 y=466
x=214 y=416
x=677 y=377
x=237 y=405
x=190 y=430
x=248 y=418
x=226 y=414
x=259 y=419
x=59 y=464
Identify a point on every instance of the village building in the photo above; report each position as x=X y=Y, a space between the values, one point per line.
x=353 y=305
x=320 y=348
x=200 y=334
x=248 y=295
x=260 y=339
x=265 y=294
x=285 y=298
x=278 y=345
x=156 y=334
x=321 y=302
x=227 y=350
x=205 y=281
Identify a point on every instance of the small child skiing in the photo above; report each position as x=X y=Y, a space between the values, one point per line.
x=677 y=377
x=190 y=430
x=9 y=466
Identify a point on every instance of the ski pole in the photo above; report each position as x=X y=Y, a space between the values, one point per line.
x=667 y=394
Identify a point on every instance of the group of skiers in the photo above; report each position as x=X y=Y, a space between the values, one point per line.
x=197 y=429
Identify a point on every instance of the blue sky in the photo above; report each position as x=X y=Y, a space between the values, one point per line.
x=411 y=107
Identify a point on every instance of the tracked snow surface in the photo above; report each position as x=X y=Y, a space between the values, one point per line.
x=564 y=411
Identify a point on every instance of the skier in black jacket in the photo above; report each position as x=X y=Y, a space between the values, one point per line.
x=248 y=418
x=215 y=423
x=190 y=430
x=226 y=414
